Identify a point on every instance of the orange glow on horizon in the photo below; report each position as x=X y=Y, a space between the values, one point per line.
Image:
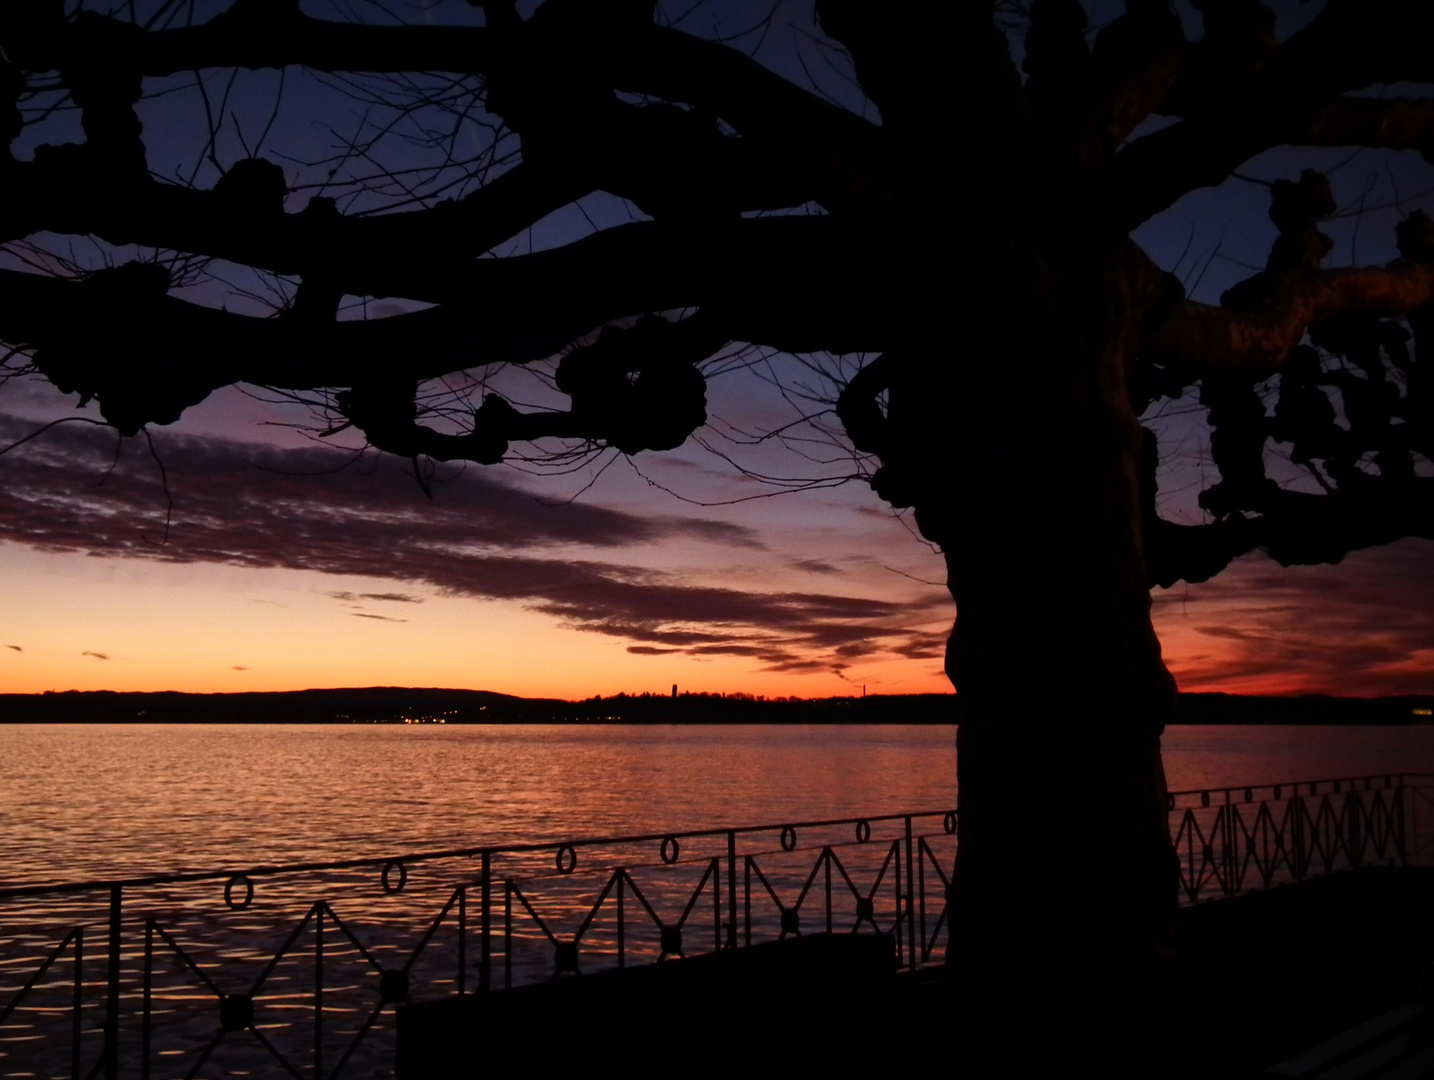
x=77 y=622
x=206 y=629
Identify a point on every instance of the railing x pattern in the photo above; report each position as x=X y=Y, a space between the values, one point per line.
x=1231 y=840
x=241 y=972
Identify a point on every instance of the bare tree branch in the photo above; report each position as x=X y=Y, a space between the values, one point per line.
x=1345 y=48
x=1255 y=342
x=1387 y=123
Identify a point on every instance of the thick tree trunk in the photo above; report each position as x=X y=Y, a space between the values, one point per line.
x=1066 y=882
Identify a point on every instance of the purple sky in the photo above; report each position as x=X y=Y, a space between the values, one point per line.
x=609 y=574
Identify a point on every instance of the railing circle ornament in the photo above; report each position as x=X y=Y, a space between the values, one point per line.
x=863 y=831
x=238 y=881
x=1204 y=798
x=386 y=878
x=567 y=859
x=949 y=822
x=668 y=851
x=789 y=838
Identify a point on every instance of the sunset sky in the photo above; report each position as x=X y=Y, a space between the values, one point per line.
x=288 y=562
x=280 y=572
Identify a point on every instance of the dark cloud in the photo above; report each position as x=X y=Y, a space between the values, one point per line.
x=96 y=655
x=234 y=502
x=815 y=566
x=479 y=537
x=930 y=645
x=380 y=618
x=798 y=666
x=239 y=667
x=1363 y=627
x=15 y=647
x=387 y=597
x=1234 y=633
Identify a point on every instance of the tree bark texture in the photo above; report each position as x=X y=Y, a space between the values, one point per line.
x=1065 y=882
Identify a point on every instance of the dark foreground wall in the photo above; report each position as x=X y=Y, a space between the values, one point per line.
x=800 y=1007
x=1275 y=972
x=1267 y=975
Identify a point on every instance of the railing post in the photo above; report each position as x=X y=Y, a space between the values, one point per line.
x=1297 y=831
x=319 y=990
x=1228 y=840
x=747 y=897
x=462 y=940
x=910 y=910
x=147 y=1019
x=919 y=952
x=485 y=949
x=731 y=888
x=901 y=950
x=716 y=902
x=1352 y=807
x=827 y=859
x=507 y=934
x=1400 y=837
x=112 y=985
x=75 y=1027
x=621 y=935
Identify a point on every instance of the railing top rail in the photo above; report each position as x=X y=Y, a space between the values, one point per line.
x=272 y=870
x=1400 y=777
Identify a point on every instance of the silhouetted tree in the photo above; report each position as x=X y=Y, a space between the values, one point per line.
x=975 y=239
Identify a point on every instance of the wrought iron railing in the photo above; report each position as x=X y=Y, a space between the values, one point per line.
x=247 y=972
x=298 y=967
x=1232 y=840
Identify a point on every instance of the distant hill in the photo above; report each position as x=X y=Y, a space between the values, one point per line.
x=374 y=704
x=428 y=704
x=392 y=704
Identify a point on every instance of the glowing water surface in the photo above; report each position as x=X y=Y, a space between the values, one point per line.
x=84 y=801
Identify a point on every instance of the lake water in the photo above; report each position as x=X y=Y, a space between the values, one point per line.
x=84 y=802
x=87 y=801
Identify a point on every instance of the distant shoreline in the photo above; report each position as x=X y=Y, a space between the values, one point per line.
x=399 y=705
